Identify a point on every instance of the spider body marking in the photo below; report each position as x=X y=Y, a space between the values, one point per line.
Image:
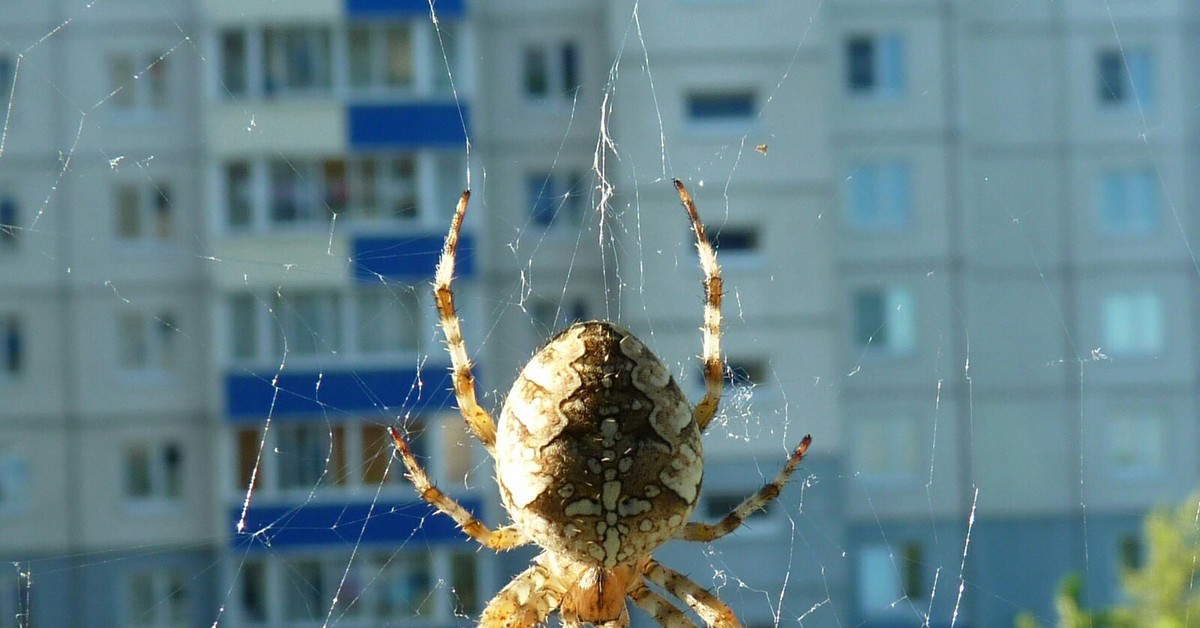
x=599 y=461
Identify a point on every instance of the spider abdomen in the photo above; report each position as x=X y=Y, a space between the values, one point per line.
x=597 y=454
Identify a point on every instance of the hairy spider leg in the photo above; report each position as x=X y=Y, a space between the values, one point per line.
x=714 y=367
x=659 y=608
x=500 y=539
x=709 y=532
x=525 y=601
x=713 y=611
x=482 y=425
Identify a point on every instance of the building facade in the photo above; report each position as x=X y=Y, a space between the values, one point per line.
x=955 y=244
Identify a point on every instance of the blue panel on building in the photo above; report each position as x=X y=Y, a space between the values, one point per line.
x=408 y=125
x=401 y=8
x=324 y=525
x=249 y=397
x=407 y=258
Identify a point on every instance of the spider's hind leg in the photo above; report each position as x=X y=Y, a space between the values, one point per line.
x=711 y=609
x=524 y=602
x=504 y=538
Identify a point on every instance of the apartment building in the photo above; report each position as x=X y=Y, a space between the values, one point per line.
x=1017 y=299
x=104 y=457
x=954 y=241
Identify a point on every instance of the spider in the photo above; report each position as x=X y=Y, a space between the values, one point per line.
x=598 y=461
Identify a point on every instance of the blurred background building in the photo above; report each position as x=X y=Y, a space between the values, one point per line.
x=956 y=248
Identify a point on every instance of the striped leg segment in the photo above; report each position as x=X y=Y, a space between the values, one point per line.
x=481 y=423
x=659 y=608
x=714 y=367
x=712 y=610
x=732 y=521
x=504 y=538
x=525 y=602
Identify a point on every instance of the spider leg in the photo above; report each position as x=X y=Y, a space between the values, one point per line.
x=478 y=419
x=500 y=539
x=714 y=368
x=732 y=521
x=524 y=602
x=713 y=611
x=660 y=608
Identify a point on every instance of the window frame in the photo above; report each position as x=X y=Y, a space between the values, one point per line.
x=879 y=197
x=885 y=79
x=1147 y=315
x=146 y=93
x=163 y=463
x=896 y=318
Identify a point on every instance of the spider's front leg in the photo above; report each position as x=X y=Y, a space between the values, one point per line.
x=709 y=532
x=482 y=425
x=504 y=538
x=710 y=355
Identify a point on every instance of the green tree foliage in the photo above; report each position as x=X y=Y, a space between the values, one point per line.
x=1163 y=592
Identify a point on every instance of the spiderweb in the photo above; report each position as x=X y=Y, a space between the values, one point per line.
x=955 y=247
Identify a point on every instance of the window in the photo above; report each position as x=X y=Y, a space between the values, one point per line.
x=1132 y=323
x=14 y=596
x=297 y=61
x=143 y=211
x=239 y=195
x=549 y=315
x=717 y=504
x=387 y=321
x=1138 y=441
x=308 y=192
x=249 y=445
x=405 y=587
x=550 y=72
x=146 y=343
x=556 y=199
x=721 y=106
x=7 y=81
x=139 y=82
x=333 y=457
x=875 y=65
x=252 y=591
x=153 y=471
x=878 y=196
x=885 y=578
x=878 y=586
x=735 y=240
x=1125 y=78
x=463 y=584
x=294 y=194
x=309 y=585
x=381 y=56
x=233 y=63
x=13 y=339
x=1129 y=202
x=308 y=324
x=14 y=480
x=884 y=320
x=911 y=580
x=745 y=373
x=886 y=448
x=8 y=221
x=243 y=326
x=156 y=598
x=306 y=451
